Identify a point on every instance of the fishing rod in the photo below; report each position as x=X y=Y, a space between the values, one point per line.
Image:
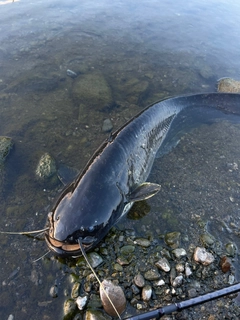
x=179 y=306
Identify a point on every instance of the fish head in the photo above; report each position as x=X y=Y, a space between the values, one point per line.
x=86 y=214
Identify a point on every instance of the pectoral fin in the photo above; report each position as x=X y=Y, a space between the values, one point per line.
x=144 y=191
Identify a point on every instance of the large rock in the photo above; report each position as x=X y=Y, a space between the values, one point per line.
x=92 y=90
x=116 y=294
x=228 y=85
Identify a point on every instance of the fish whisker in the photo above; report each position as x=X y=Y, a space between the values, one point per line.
x=44 y=255
x=25 y=232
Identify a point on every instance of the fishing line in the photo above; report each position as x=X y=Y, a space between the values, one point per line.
x=100 y=283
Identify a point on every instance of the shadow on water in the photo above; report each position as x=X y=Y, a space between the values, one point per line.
x=123 y=56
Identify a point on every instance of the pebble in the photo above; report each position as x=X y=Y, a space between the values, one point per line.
x=117 y=267
x=107 y=125
x=81 y=302
x=71 y=74
x=159 y=283
x=231 y=279
x=75 y=290
x=142 y=242
x=179 y=267
x=116 y=295
x=126 y=250
x=172 y=239
x=95 y=259
x=192 y=293
x=179 y=252
x=146 y=293
x=135 y=289
x=10 y=317
x=225 y=264
x=188 y=270
x=231 y=249
x=207 y=239
x=152 y=274
x=53 y=291
x=202 y=256
x=139 y=280
x=69 y=307
x=177 y=281
x=163 y=264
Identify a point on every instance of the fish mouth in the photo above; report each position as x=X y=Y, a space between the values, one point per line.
x=62 y=248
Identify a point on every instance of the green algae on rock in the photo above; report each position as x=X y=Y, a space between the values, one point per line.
x=6 y=144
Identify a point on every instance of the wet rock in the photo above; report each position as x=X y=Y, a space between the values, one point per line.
x=94 y=259
x=53 y=291
x=228 y=85
x=124 y=261
x=69 y=308
x=172 y=239
x=92 y=89
x=94 y=301
x=179 y=267
x=207 y=239
x=152 y=274
x=192 y=293
x=188 y=270
x=225 y=264
x=46 y=167
x=135 y=289
x=179 y=252
x=139 y=280
x=163 y=264
x=177 y=281
x=231 y=279
x=146 y=293
x=231 y=249
x=126 y=250
x=116 y=295
x=96 y=315
x=6 y=144
x=75 y=290
x=202 y=256
x=107 y=125
x=142 y=242
x=159 y=283
x=117 y=267
x=81 y=302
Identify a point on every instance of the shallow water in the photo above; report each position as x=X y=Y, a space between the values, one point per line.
x=125 y=56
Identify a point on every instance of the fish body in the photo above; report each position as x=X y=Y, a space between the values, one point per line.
x=115 y=176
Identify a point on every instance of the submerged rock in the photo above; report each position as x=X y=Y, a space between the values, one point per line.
x=6 y=144
x=172 y=239
x=46 y=167
x=92 y=89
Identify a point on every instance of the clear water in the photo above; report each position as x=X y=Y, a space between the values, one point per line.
x=135 y=53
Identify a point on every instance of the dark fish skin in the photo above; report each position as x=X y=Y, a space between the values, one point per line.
x=114 y=178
